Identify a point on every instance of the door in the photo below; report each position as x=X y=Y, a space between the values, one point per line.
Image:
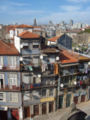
x=26 y=112
x=75 y=100
x=60 y=101
x=83 y=98
x=50 y=107
x=36 y=110
x=2 y=84
x=3 y=115
x=44 y=109
x=68 y=100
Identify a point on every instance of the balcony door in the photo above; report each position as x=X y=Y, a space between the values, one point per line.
x=2 y=81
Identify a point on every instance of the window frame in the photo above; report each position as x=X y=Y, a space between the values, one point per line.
x=13 y=79
x=1 y=61
x=14 y=97
x=13 y=61
x=4 y=97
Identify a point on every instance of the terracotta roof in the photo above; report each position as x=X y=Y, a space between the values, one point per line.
x=72 y=57
x=83 y=58
x=36 y=26
x=27 y=34
x=50 y=50
x=54 y=39
x=24 y=26
x=7 y=49
x=67 y=57
x=12 y=27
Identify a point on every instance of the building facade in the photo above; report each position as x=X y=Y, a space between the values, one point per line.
x=10 y=85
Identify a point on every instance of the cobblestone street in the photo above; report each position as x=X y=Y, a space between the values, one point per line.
x=61 y=114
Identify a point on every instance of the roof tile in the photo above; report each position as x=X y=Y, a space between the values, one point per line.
x=27 y=34
x=7 y=49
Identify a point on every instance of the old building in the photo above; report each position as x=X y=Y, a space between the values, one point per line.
x=30 y=46
x=63 y=40
x=37 y=79
x=39 y=68
x=10 y=95
x=74 y=78
x=15 y=30
x=49 y=65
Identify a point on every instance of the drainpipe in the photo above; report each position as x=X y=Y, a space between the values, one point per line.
x=57 y=93
x=21 y=109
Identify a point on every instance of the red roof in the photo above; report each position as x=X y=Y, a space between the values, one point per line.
x=7 y=49
x=27 y=34
x=54 y=39
x=24 y=26
x=12 y=27
x=67 y=57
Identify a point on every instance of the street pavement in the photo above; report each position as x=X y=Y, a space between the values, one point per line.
x=63 y=113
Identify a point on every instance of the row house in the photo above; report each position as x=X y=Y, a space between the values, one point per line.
x=38 y=79
x=15 y=30
x=10 y=95
x=39 y=69
x=30 y=49
x=49 y=78
x=74 y=78
x=62 y=39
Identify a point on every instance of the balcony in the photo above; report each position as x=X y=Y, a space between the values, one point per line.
x=8 y=68
x=31 y=68
x=10 y=88
x=37 y=86
x=28 y=51
x=69 y=72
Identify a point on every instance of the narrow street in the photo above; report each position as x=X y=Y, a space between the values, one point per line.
x=61 y=114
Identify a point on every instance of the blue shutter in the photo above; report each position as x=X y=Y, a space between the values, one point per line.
x=5 y=60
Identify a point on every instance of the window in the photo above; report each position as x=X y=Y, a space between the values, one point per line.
x=2 y=96
x=12 y=61
x=13 y=79
x=51 y=92
x=26 y=79
x=36 y=59
x=1 y=61
x=14 y=97
x=35 y=45
x=2 y=80
x=43 y=92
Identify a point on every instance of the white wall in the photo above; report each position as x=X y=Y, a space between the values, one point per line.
x=17 y=43
x=11 y=32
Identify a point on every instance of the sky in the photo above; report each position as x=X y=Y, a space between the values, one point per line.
x=25 y=11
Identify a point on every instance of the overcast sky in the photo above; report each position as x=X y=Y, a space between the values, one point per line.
x=24 y=11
